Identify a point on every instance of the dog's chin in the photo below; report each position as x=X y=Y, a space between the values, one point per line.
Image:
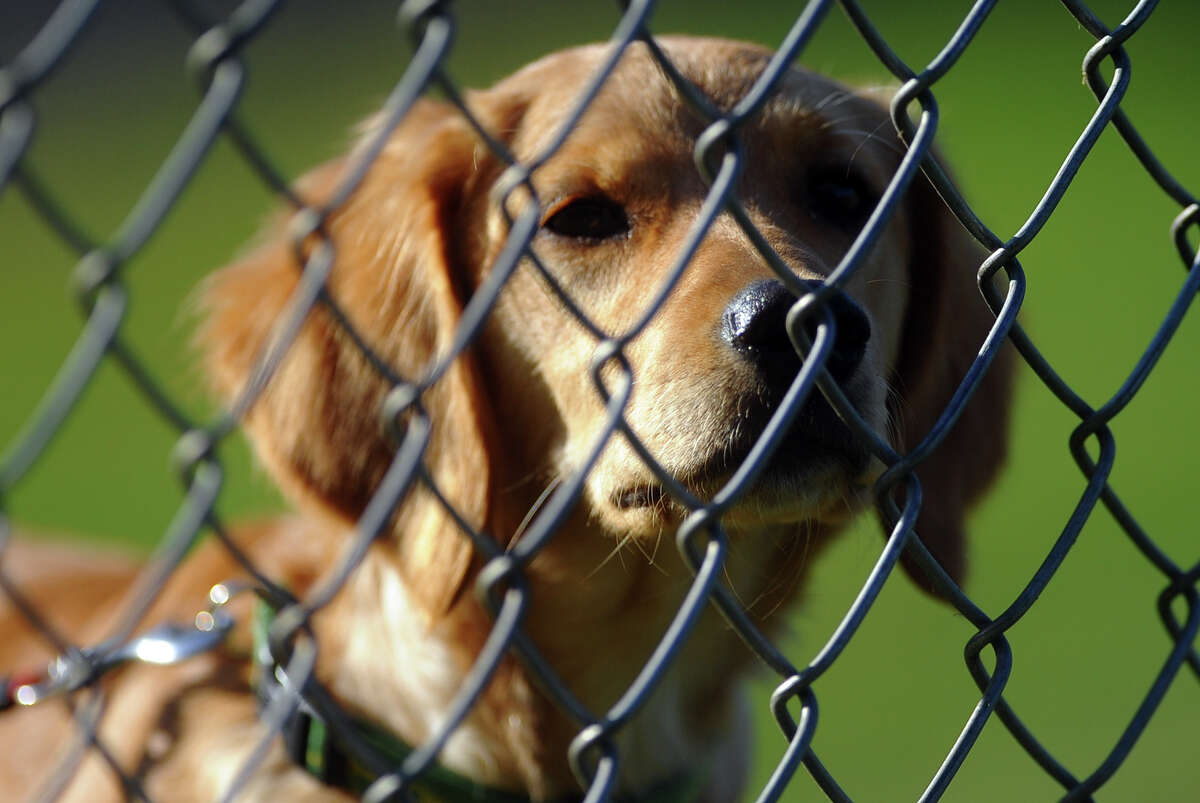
x=825 y=479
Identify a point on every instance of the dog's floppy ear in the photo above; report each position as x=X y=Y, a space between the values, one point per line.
x=945 y=326
x=401 y=283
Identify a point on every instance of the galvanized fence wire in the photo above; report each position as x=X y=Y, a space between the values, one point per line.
x=216 y=63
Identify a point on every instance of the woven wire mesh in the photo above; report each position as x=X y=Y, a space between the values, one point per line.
x=217 y=65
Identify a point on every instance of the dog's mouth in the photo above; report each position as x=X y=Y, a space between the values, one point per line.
x=639 y=496
x=818 y=451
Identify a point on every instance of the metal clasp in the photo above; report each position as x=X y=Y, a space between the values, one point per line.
x=164 y=645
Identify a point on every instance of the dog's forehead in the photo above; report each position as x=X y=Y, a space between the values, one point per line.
x=639 y=103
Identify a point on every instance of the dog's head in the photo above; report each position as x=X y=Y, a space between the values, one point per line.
x=617 y=203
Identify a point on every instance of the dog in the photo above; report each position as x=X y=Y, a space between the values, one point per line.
x=518 y=414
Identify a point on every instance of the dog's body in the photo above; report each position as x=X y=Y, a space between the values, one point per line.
x=413 y=242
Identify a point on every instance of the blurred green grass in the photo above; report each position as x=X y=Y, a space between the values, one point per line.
x=1101 y=275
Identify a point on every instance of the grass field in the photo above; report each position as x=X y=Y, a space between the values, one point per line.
x=1101 y=275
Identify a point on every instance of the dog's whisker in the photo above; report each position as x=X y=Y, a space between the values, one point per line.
x=533 y=475
x=533 y=510
x=651 y=554
x=612 y=554
x=833 y=100
x=730 y=584
x=869 y=137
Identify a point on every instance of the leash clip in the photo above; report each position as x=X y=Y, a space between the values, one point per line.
x=164 y=645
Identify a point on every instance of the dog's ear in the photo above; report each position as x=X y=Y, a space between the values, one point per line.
x=401 y=281
x=945 y=325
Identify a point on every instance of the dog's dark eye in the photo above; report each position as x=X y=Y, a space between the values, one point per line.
x=842 y=198
x=592 y=218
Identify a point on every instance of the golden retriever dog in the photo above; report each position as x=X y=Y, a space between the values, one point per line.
x=519 y=413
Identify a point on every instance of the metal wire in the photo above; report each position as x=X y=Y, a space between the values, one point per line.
x=216 y=62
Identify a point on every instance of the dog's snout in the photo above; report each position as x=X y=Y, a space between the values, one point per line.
x=755 y=325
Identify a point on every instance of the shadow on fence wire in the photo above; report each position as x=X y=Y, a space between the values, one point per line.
x=217 y=66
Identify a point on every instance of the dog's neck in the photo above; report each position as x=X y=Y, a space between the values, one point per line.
x=596 y=613
x=402 y=669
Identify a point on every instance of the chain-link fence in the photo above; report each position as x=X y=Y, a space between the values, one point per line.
x=217 y=64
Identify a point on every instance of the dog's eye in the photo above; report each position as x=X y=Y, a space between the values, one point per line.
x=842 y=198
x=593 y=218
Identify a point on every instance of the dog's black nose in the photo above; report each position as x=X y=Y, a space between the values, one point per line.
x=755 y=325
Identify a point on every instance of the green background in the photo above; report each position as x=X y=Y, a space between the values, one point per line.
x=1101 y=275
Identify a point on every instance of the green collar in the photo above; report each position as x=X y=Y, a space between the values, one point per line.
x=324 y=759
x=314 y=745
